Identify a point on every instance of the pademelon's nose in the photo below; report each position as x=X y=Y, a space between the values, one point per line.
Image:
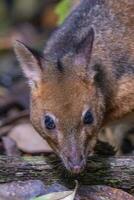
x=76 y=166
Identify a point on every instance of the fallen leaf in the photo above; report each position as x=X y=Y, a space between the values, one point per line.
x=66 y=195
x=28 y=140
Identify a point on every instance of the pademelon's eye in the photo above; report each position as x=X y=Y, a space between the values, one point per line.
x=88 y=118
x=49 y=123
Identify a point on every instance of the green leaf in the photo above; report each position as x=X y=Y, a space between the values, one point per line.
x=62 y=10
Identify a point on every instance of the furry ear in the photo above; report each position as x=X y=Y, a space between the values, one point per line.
x=84 y=49
x=30 y=61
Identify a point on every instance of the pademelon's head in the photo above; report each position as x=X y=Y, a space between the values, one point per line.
x=66 y=105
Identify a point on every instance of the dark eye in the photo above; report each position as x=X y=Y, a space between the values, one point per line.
x=49 y=123
x=88 y=118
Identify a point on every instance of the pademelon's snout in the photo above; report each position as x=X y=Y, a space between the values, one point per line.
x=76 y=166
x=74 y=161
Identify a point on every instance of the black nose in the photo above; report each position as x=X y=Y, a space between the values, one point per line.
x=76 y=166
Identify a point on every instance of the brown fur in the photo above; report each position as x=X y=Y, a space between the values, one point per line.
x=123 y=100
x=88 y=64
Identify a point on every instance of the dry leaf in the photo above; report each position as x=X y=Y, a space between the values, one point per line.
x=28 y=140
x=67 y=195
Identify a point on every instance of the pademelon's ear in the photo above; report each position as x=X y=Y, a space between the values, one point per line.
x=30 y=62
x=84 y=48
